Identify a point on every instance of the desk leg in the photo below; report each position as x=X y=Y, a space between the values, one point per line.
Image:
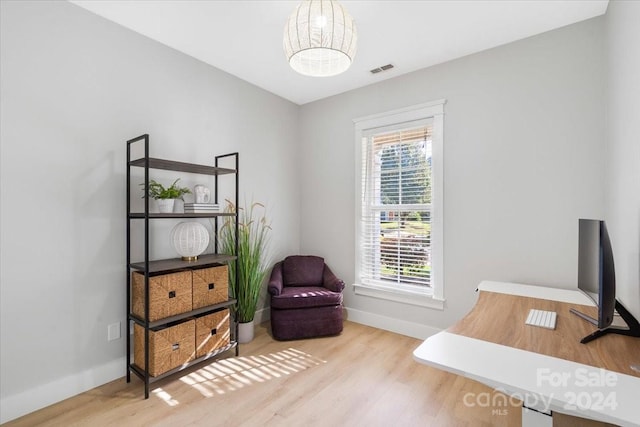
x=532 y=418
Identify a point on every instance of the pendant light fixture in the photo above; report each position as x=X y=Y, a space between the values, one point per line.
x=320 y=38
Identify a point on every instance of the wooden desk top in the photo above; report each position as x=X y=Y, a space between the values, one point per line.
x=500 y=318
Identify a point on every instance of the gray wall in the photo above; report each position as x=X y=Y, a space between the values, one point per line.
x=522 y=146
x=74 y=88
x=623 y=147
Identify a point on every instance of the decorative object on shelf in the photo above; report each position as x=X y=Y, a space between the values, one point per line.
x=165 y=196
x=202 y=194
x=166 y=205
x=190 y=239
x=251 y=265
x=201 y=207
x=320 y=38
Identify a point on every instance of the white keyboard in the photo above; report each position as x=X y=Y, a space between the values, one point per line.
x=544 y=319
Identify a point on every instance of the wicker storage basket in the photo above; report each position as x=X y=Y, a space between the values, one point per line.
x=210 y=286
x=169 y=294
x=168 y=348
x=212 y=332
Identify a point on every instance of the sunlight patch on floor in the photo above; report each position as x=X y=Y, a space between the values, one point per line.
x=231 y=374
x=165 y=397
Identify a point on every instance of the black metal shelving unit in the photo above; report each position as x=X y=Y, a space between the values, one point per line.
x=150 y=267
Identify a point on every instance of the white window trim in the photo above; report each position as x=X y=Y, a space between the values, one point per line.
x=434 y=297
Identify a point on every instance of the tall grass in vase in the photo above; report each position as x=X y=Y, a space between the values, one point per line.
x=251 y=266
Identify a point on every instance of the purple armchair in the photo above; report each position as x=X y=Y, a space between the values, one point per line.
x=306 y=299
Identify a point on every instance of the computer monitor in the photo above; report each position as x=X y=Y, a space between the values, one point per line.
x=597 y=279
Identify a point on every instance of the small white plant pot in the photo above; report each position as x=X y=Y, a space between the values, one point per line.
x=245 y=332
x=166 y=205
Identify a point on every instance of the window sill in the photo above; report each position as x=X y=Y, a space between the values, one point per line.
x=419 y=298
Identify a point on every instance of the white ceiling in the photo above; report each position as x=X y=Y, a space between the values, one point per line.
x=244 y=38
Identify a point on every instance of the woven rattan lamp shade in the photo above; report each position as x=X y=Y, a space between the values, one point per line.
x=320 y=38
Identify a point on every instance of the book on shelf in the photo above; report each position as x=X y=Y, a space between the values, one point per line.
x=202 y=205
x=200 y=210
x=203 y=209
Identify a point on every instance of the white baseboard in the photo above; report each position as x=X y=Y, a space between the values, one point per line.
x=411 y=329
x=17 y=405
x=262 y=315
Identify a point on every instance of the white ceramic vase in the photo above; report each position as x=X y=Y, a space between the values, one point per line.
x=245 y=332
x=202 y=194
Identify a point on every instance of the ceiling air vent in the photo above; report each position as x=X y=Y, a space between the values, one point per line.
x=381 y=69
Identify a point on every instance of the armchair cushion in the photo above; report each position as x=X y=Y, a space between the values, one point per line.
x=301 y=270
x=305 y=297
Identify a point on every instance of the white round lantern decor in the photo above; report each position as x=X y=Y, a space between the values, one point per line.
x=190 y=239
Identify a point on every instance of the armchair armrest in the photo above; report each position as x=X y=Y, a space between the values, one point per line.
x=275 y=281
x=330 y=281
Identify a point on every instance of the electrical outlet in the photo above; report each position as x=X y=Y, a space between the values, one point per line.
x=113 y=331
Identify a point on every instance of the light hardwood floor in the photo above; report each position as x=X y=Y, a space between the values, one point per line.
x=364 y=377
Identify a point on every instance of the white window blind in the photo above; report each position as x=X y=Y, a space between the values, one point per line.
x=396 y=205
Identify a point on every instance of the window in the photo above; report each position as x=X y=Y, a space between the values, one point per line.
x=399 y=223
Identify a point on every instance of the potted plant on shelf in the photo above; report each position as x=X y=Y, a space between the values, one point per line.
x=165 y=197
x=248 y=272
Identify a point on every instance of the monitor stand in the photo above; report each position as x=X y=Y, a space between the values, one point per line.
x=633 y=329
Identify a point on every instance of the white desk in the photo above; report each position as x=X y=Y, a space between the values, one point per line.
x=541 y=381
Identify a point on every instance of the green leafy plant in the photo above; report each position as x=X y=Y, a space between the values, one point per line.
x=157 y=190
x=251 y=252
